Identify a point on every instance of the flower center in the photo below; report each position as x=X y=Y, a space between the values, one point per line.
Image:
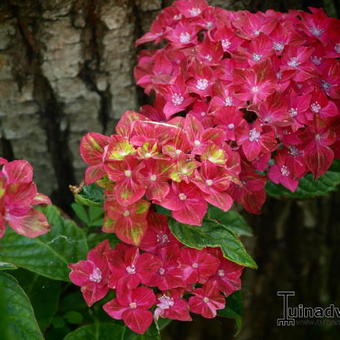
x=284 y=171
x=278 y=46
x=226 y=44
x=153 y=178
x=293 y=62
x=194 y=265
x=316 y=60
x=161 y=271
x=293 y=112
x=209 y=182
x=202 y=84
x=148 y=155
x=194 y=12
x=228 y=101
x=325 y=85
x=184 y=37
x=231 y=126
x=293 y=150
x=127 y=173
x=96 y=275
x=133 y=305
x=316 y=31
x=254 y=135
x=197 y=142
x=177 y=99
x=126 y=213
x=315 y=107
x=162 y=238
x=177 y=152
x=203 y=114
x=220 y=272
x=182 y=196
x=255 y=89
x=206 y=299
x=257 y=57
x=131 y=269
x=165 y=302
x=337 y=47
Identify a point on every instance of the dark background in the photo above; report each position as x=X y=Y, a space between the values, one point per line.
x=66 y=69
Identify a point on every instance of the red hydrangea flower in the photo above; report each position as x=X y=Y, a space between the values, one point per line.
x=207 y=300
x=92 y=274
x=18 y=197
x=132 y=306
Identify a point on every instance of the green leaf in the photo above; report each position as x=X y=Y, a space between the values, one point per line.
x=308 y=187
x=213 y=234
x=97 y=331
x=231 y=220
x=81 y=212
x=43 y=293
x=47 y=255
x=7 y=266
x=90 y=195
x=17 y=321
x=233 y=310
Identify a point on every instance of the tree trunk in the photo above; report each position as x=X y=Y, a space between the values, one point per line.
x=66 y=68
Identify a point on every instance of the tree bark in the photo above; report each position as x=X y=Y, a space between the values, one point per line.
x=66 y=68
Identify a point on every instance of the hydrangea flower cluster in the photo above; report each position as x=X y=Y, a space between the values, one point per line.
x=270 y=80
x=239 y=99
x=160 y=275
x=18 y=198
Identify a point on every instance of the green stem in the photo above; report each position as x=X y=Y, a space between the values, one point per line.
x=123 y=333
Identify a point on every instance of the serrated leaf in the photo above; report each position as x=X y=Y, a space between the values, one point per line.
x=91 y=195
x=213 y=234
x=17 y=320
x=233 y=310
x=308 y=187
x=7 y=266
x=97 y=331
x=47 y=255
x=43 y=293
x=231 y=220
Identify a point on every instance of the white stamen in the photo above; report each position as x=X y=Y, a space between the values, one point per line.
x=278 y=46
x=316 y=31
x=162 y=238
x=315 y=107
x=153 y=178
x=228 y=101
x=126 y=213
x=337 y=47
x=182 y=196
x=254 y=135
x=197 y=142
x=202 y=84
x=316 y=60
x=225 y=44
x=177 y=99
x=284 y=171
x=96 y=275
x=293 y=62
x=133 y=305
x=127 y=173
x=185 y=37
x=194 y=265
x=255 y=89
x=194 y=12
x=293 y=112
x=206 y=299
x=161 y=271
x=220 y=272
x=131 y=269
x=209 y=182
x=231 y=126
x=257 y=57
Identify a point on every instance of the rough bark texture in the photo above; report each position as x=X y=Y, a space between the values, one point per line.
x=66 y=69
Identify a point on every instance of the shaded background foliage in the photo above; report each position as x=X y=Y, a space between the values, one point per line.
x=66 y=68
